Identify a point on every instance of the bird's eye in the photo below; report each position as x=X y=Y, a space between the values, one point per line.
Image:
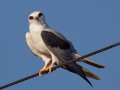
x=40 y=14
x=31 y=17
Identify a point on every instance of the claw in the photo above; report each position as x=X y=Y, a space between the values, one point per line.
x=46 y=69
x=43 y=70
x=50 y=68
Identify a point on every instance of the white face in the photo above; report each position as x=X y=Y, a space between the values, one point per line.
x=35 y=17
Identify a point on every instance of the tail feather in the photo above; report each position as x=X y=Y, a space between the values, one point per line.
x=85 y=60
x=74 y=67
x=90 y=62
x=90 y=74
x=86 y=72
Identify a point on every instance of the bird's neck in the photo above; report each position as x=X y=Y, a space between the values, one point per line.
x=37 y=28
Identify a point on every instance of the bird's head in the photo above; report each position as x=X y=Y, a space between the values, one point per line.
x=36 y=17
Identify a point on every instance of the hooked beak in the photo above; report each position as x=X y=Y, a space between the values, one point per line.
x=37 y=18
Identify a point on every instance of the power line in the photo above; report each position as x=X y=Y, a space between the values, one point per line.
x=71 y=61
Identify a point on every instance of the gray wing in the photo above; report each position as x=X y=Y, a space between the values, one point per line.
x=60 y=47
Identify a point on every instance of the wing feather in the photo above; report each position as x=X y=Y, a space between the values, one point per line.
x=61 y=49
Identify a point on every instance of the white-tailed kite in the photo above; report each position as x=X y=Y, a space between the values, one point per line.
x=53 y=48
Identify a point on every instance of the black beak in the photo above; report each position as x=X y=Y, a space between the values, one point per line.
x=37 y=18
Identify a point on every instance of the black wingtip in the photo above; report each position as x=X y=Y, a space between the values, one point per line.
x=89 y=82
x=91 y=85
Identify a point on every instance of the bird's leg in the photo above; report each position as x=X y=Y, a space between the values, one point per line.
x=50 y=68
x=43 y=70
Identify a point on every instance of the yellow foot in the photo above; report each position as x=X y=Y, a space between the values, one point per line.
x=50 y=68
x=42 y=71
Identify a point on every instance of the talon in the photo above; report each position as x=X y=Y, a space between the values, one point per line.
x=50 y=68
x=40 y=73
x=43 y=70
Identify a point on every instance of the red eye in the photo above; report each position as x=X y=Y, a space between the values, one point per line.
x=31 y=17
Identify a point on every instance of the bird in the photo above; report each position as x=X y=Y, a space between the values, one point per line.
x=54 y=49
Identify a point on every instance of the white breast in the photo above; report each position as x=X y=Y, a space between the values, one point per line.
x=35 y=32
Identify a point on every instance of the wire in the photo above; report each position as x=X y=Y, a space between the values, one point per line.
x=71 y=61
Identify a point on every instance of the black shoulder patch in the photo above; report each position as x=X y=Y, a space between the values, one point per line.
x=52 y=40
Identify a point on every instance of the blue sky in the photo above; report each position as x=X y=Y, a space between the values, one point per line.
x=89 y=24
